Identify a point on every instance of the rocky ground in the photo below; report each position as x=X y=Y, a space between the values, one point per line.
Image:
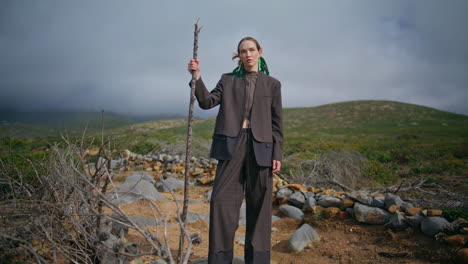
x=341 y=238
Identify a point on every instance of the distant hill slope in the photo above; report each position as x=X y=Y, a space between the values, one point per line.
x=359 y=116
x=73 y=123
x=396 y=139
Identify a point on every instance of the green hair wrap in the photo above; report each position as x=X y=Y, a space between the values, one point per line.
x=239 y=71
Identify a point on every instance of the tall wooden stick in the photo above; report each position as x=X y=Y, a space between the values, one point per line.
x=188 y=150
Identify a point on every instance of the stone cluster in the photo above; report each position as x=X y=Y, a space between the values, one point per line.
x=203 y=170
x=387 y=209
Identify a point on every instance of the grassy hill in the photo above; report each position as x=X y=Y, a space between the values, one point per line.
x=397 y=140
x=72 y=123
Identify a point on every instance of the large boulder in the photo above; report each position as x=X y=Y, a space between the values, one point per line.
x=431 y=226
x=310 y=202
x=415 y=220
x=370 y=215
x=328 y=201
x=397 y=222
x=302 y=237
x=291 y=211
x=378 y=202
x=297 y=199
x=392 y=199
x=361 y=197
x=169 y=184
x=136 y=187
x=284 y=192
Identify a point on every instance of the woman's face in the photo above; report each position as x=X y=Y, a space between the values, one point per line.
x=249 y=54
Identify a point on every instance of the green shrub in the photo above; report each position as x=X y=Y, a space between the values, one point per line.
x=451 y=214
x=379 y=172
x=144 y=147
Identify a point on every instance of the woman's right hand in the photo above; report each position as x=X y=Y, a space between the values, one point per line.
x=194 y=66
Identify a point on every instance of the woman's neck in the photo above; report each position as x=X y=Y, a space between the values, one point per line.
x=251 y=69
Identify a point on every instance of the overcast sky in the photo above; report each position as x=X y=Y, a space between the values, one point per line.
x=131 y=56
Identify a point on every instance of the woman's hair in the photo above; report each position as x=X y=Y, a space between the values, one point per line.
x=236 y=55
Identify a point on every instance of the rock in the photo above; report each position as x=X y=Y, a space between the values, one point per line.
x=302 y=237
x=328 y=201
x=274 y=190
x=284 y=192
x=297 y=199
x=274 y=218
x=197 y=171
x=459 y=226
x=206 y=180
x=240 y=240
x=343 y=215
x=205 y=217
x=192 y=217
x=456 y=240
x=464 y=231
x=412 y=211
x=378 y=195
x=135 y=188
x=291 y=211
x=434 y=212
x=415 y=220
x=393 y=208
x=145 y=221
x=346 y=203
x=462 y=255
x=296 y=187
x=310 y=202
x=277 y=181
x=208 y=195
x=169 y=184
x=397 y=222
x=378 y=202
x=431 y=226
x=140 y=176
x=424 y=212
x=405 y=206
x=243 y=214
x=370 y=215
x=159 y=261
x=392 y=199
x=350 y=211
x=309 y=195
x=331 y=212
x=317 y=209
x=361 y=197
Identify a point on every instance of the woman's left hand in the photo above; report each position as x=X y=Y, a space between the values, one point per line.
x=276 y=166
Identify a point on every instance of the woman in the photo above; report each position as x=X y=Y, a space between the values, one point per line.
x=247 y=141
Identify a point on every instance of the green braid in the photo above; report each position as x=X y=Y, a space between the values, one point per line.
x=239 y=71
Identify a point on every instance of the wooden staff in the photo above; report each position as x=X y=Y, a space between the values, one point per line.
x=188 y=150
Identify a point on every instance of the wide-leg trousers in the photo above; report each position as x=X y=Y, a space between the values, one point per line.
x=233 y=178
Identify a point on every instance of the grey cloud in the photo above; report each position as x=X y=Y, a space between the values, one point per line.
x=131 y=56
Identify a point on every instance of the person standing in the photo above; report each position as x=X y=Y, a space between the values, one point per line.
x=248 y=142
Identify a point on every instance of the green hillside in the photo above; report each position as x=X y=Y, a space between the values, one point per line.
x=397 y=140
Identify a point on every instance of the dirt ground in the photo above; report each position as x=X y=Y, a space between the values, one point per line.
x=342 y=241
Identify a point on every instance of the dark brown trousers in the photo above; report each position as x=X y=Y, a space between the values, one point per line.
x=232 y=178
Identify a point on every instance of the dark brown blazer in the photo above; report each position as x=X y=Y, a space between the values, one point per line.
x=265 y=120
